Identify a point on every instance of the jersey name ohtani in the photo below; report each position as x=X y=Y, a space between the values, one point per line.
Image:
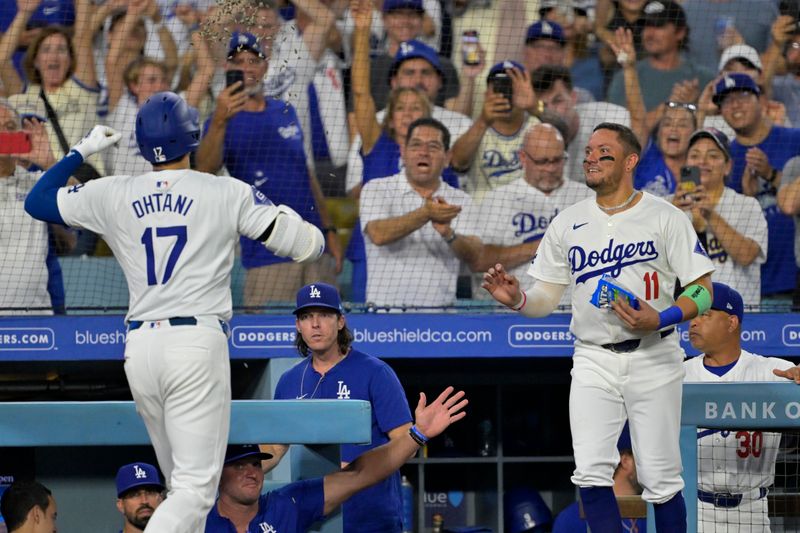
x=611 y=259
x=158 y=202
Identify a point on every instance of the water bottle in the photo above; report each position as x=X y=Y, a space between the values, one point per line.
x=437 y=523
x=407 y=492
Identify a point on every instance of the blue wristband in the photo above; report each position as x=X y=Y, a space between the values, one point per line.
x=670 y=316
x=417 y=435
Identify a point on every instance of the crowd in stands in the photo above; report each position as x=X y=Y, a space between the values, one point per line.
x=456 y=126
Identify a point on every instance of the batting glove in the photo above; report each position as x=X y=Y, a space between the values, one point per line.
x=100 y=138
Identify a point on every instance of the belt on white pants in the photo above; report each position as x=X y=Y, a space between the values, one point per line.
x=728 y=500
x=180 y=321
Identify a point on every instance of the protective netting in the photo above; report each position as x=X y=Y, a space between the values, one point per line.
x=311 y=101
x=748 y=480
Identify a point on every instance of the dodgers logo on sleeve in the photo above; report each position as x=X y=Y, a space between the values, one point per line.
x=75 y=188
x=259 y=197
x=698 y=248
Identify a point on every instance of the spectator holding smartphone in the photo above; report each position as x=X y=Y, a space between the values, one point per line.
x=260 y=141
x=730 y=225
x=489 y=150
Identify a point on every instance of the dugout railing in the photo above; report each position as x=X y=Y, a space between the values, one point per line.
x=749 y=405
x=60 y=428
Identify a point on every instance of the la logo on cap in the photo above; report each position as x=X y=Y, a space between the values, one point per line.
x=547 y=29
x=729 y=82
x=314 y=292
x=654 y=7
x=243 y=38
x=139 y=473
x=406 y=48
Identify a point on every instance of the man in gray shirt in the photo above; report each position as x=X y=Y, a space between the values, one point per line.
x=713 y=23
x=664 y=37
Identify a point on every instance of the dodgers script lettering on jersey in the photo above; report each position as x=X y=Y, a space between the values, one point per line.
x=612 y=258
x=530 y=225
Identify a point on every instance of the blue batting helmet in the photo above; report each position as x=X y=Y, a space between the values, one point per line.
x=525 y=511
x=167 y=128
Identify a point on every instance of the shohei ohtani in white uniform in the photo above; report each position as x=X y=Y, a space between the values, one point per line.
x=627 y=362
x=735 y=467
x=173 y=232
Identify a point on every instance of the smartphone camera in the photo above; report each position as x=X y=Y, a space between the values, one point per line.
x=232 y=76
x=501 y=83
x=690 y=179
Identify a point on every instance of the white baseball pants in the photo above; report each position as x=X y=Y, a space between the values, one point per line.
x=644 y=387
x=180 y=380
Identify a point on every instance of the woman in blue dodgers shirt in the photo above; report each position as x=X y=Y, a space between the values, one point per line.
x=332 y=369
x=380 y=148
x=659 y=171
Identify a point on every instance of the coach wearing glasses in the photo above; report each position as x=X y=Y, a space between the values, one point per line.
x=512 y=219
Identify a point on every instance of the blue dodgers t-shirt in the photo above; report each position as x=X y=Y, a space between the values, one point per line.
x=265 y=149
x=289 y=509
x=652 y=173
x=359 y=377
x=778 y=273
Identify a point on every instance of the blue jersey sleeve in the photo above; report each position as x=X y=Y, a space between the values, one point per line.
x=42 y=202
x=388 y=399
x=288 y=385
x=308 y=496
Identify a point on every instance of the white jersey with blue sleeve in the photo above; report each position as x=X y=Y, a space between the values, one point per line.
x=174 y=233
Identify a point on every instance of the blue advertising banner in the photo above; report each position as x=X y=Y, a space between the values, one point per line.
x=386 y=335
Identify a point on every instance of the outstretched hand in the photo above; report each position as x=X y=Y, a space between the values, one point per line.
x=790 y=373
x=433 y=419
x=503 y=287
x=100 y=138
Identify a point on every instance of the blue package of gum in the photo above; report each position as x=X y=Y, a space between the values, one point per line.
x=607 y=291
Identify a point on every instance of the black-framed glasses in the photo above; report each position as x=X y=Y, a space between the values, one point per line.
x=681 y=105
x=544 y=162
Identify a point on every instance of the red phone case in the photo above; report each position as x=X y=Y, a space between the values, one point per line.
x=15 y=142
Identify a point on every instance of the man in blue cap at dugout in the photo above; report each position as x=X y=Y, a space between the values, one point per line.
x=139 y=493
x=332 y=369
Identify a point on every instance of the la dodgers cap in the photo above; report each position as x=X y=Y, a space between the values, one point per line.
x=545 y=29
x=137 y=475
x=735 y=81
x=318 y=295
x=234 y=452
x=241 y=41
x=719 y=138
x=728 y=300
x=415 y=49
x=742 y=51
x=501 y=67
x=394 y=5
x=661 y=12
